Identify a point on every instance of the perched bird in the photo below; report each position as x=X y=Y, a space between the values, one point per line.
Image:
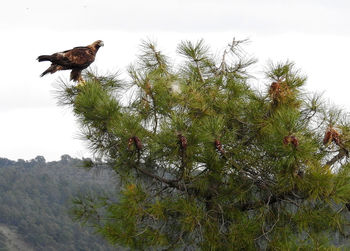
x=76 y=59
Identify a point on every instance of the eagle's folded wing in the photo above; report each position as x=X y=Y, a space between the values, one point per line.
x=78 y=57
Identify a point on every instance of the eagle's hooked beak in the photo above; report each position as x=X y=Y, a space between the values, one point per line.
x=101 y=44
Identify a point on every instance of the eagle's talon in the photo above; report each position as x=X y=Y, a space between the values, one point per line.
x=81 y=82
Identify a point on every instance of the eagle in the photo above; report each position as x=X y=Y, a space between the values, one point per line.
x=76 y=59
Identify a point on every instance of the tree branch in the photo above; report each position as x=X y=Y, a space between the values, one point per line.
x=199 y=71
x=171 y=183
x=268 y=201
x=342 y=153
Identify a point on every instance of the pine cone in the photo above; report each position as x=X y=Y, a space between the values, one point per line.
x=286 y=140
x=332 y=135
x=291 y=139
x=275 y=87
x=275 y=91
x=278 y=91
x=182 y=141
x=218 y=146
x=295 y=141
x=336 y=137
x=327 y=137
x=136 y=141
x=130 y=142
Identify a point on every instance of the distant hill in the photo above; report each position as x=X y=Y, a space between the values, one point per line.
x=35 y=198
x=10 y=240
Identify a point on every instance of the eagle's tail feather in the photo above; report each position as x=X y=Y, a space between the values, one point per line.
x=51 y=69
x=44 y=58
x=45 y=72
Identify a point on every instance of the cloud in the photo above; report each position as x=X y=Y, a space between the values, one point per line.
x=28 y=132
x=314 y=34
x=180 y=16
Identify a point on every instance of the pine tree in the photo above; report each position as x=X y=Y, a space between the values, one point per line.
x=208 y=162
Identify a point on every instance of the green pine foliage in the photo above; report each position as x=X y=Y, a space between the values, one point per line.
x=208 y=162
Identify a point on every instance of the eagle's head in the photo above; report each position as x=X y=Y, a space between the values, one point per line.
x=97 y=44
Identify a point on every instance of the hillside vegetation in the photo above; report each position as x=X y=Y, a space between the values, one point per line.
x=36 y=197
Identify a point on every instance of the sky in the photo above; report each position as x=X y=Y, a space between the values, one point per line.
x=314 y=34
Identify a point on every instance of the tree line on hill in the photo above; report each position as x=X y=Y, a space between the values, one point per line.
x=36 y=198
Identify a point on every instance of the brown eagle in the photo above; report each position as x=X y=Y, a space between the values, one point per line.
x=76 y=59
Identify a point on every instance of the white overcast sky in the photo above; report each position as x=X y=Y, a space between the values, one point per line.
x=315 y=34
